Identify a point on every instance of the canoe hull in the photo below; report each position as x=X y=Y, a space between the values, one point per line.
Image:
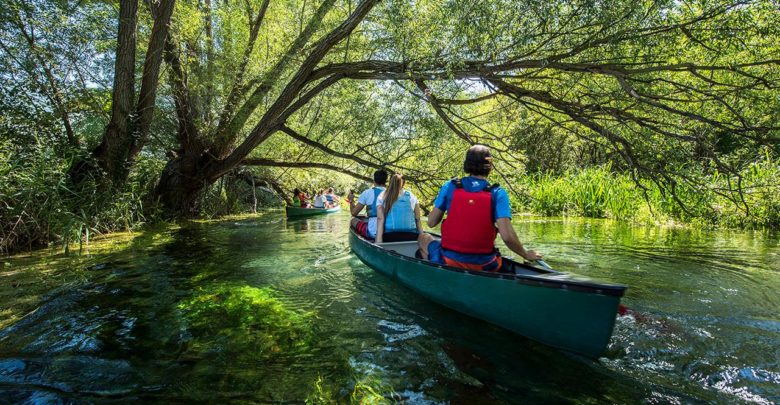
x=307 y=212
x=562 y=317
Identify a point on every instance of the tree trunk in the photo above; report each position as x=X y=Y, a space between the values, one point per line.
x=110 y=154
x=144 y=110
x=254 y=196
x=126 y=132
x=181 y=184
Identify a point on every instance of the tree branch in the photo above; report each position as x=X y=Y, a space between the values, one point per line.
x=229 y=128
x=436 y=107
x=55 y=95
x=304 y=165
x=144 y=111
x=271 y=118
x=235 y=90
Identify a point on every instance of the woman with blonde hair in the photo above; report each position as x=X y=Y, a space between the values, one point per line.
x=398 y=213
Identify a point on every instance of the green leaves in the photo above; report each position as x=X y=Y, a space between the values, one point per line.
x=677 y=96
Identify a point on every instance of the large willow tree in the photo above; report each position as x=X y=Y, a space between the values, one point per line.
x=670 y=89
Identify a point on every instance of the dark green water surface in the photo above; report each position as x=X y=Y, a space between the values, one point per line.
x=265 y=310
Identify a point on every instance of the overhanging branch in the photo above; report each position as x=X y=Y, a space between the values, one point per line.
x=304 y=165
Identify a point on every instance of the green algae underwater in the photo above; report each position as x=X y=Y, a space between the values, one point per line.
x=264 y=309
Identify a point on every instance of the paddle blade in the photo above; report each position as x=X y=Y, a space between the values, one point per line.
x=543 y=264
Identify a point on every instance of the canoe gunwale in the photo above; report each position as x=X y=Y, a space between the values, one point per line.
x=304 y=212
x=586 y=286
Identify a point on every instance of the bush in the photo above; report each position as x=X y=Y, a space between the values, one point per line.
x=713 y=200
x=593 y=192
x=758 y=205
x=40 y=206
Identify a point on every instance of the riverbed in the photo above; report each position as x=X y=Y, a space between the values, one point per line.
x=265 y=309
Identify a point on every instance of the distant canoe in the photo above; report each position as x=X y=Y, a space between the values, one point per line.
x=305 y=212
x=558 y=309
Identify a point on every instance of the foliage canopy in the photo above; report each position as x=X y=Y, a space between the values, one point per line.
x=679 y=97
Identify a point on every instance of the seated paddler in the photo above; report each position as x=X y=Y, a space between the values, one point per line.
x=332 y=198
x=299 y=199
x=368 y=199
x=398 y=213
x=476 y=212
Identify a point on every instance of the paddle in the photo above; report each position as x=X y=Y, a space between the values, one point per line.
x=622 y=309
x=544 y=265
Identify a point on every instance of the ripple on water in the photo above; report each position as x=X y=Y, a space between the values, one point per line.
x=660 y=349
x=67 y=323
x=69 y=374
x=395 y=332
x=746 y=383
x=328 y=281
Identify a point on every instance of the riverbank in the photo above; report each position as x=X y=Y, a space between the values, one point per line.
x=42 y=209
x=601 y=192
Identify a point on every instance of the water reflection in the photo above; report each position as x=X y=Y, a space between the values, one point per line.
x=268 y=309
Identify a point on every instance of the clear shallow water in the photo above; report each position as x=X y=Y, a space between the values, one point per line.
x=262 y=309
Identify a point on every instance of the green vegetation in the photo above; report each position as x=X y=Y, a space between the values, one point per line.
x=367 y=389
x=244 y=321
x=594 y=192
x=180 y=108
x=601 y=192
x=40 y=205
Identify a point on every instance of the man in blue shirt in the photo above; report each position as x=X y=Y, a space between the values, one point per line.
x=368 y=199
x=474 y=211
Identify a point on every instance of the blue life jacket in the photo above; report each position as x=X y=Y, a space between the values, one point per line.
x=329 y=198
x=372 y=207
x=401 y=215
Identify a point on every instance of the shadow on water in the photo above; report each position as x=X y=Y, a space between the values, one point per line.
x=268 y=309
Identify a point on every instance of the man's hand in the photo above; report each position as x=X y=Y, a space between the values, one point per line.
x=511 y=240
x=532 y=256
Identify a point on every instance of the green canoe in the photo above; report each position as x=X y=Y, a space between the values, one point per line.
x=558 y=309
x=305 y=212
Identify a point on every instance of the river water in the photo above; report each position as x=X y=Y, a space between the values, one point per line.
x=264 y=309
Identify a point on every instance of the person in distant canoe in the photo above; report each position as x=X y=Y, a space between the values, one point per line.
x=299 y=199
x=474 y=210
x=398 y=213
x=368 y=200
x=332 y=198
x=320 y=201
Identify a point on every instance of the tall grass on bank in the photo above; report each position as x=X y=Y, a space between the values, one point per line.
x=594 y=192
x=714 y=199
x=39 y=205
x=757 y=205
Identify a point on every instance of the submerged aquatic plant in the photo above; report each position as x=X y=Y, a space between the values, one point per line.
x=245 y=320
x=371 y=389
x=366 y=389
x=321 y=394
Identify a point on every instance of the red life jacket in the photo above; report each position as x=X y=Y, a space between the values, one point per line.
x=469 y=227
